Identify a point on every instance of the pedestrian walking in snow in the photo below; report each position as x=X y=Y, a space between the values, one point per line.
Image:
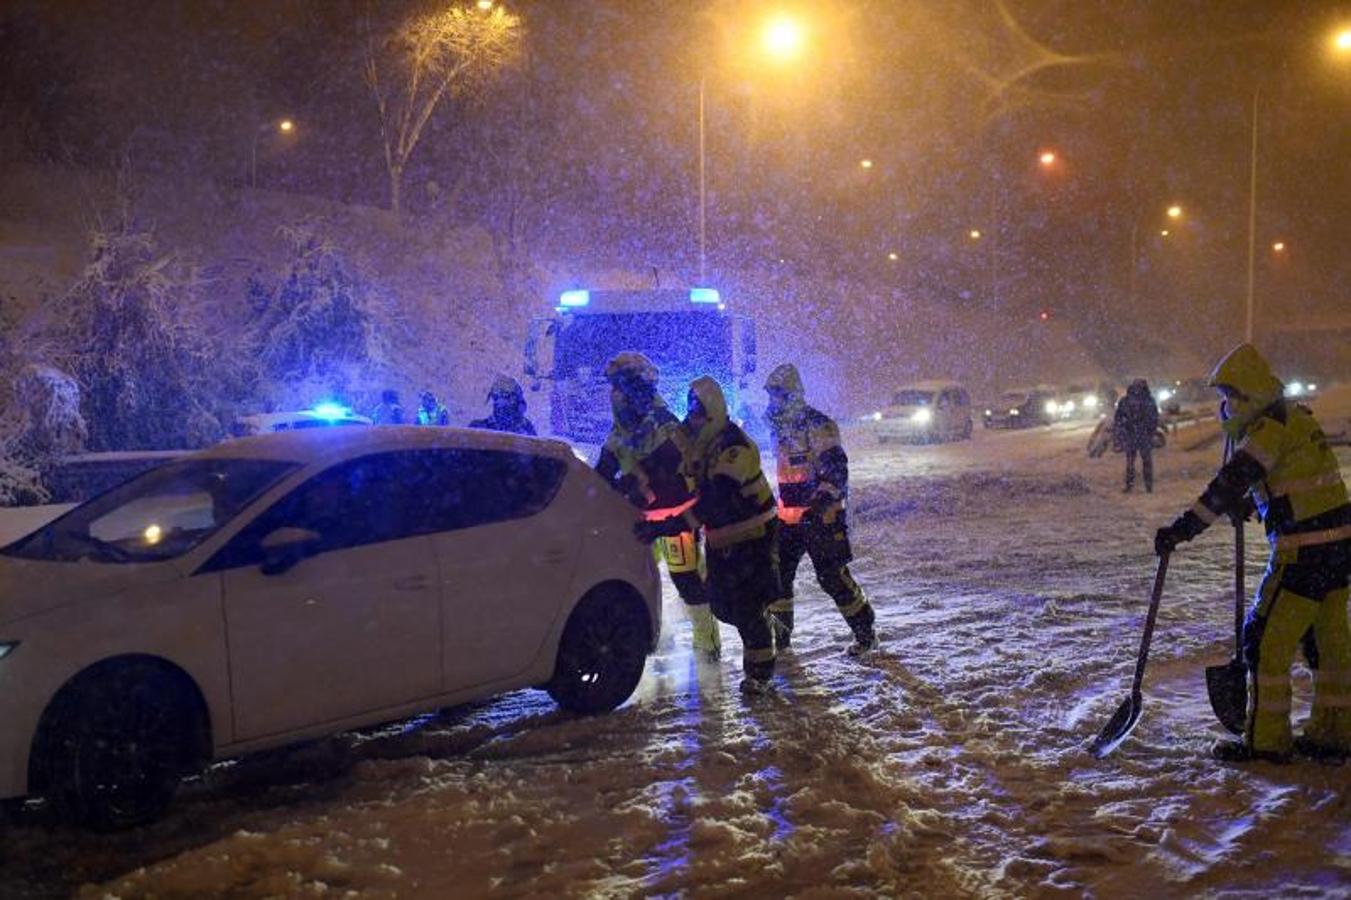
x=1282 y=460
x=813 y=473
x=644 y=459
x=735 y=507
x=390 y=410
x=430 y=411
x=1133 y=426
x=508 y=402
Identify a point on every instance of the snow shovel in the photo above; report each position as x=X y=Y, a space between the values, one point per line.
x=1227 y=685
x=1123 y=721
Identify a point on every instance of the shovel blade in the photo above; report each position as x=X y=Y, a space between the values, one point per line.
x=1227 y=686
x=1118 y=728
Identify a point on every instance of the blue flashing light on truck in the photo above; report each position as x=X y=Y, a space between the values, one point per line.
x=686 y=333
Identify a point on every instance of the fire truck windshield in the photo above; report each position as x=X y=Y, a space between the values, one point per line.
x=682 y=344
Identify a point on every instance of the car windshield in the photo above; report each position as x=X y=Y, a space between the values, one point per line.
x=159 y=515
x=1013 y=398
x=913 y=398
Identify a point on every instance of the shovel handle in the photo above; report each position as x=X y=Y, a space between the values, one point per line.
x=1150 y=619
x=1239 y=591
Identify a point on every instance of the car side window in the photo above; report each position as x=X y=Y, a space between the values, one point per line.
x=402 y=494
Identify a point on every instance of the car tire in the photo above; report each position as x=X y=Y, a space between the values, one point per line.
x=601 y=654
x=117 y=744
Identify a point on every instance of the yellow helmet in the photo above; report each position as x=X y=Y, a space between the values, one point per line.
x=1248 y=383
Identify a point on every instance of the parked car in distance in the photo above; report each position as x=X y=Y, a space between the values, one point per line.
x=292 y=585
x=320 y=416
x=926 y=412
x=1021 y=408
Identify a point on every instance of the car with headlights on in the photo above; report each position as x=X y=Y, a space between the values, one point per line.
x=926 y=412
x=1021 y=408
x=1084 y=400
x=292 y=585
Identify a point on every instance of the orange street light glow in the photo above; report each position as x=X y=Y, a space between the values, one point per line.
x=1047 y=158
x=974 y=233
x=1342 y=41
x=893 y=256
x=485 y=5
x=286 y=125
x=1279 y=246
x=866 y=163
x=783 y=37
x=1164 y=233
x=1174 y=212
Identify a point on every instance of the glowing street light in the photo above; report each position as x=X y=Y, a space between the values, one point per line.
x=1164 y=233
x=282 y=126
x=1175 y=212
x=974 y=234
x=783 y=37
x=1047 y=158
x=1341 y=41
x=485 y=5
x=1278 y=247
x=893 y=256
x=865 y=163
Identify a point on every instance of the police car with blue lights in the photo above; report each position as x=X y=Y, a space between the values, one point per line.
x=318 y=416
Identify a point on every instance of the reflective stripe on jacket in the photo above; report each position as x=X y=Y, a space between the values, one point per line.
x=810 y=461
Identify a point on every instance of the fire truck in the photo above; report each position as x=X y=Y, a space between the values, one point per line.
x=686 y=332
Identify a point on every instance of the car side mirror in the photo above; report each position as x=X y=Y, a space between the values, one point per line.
x=285 y=547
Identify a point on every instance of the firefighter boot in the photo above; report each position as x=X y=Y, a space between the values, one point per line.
x=705 y=639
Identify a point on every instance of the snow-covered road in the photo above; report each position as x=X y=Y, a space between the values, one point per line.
x=1010 y=577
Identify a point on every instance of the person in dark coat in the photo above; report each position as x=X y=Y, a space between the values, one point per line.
x=390 y=410
x=508 y=402
x=1136 y=420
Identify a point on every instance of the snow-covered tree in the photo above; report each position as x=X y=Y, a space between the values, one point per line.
x=148 y=375
x=439 y=55
x=312 y=333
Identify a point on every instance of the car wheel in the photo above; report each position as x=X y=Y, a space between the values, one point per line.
x=118 y=743
x=601 y=655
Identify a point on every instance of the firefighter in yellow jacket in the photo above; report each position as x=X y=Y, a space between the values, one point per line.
x=735 y=507
x=1282 y=459
x=813 y=486
x=644 y=459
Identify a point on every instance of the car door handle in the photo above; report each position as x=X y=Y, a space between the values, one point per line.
x=553 y=556
x=412 y=583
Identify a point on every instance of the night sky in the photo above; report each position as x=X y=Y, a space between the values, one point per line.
x=1145 y=104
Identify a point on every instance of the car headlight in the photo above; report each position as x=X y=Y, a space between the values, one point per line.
x=7 y=648
x=1069 y=406
x=1312 y=388
x=1091 y=402
x=989 y=412
x=1294 y=389
x=922 y=416
x=1164 y=394
x=1051 y=406
x=1014 y=412
x=876 y=417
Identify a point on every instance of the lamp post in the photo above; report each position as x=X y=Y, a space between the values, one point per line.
x=782 y=39
x=284 y=126
x=1174 y=213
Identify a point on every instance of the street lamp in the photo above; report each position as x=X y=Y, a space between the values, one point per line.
x=1341 y=41
x=865 y=163
x=1174 y=213
x=1278 y=247
x=783 y=39
x=1047 y=159
x=284 y=126
x=974 y=234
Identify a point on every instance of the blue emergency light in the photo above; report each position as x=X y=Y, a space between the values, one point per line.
x=574 y=298
x=704 y=295
x=331 y=411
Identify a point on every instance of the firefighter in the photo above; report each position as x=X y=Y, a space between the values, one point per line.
x=735 y=507
x=644 y=459
x=508 y=401
x=1282 y=460
x=1133 y=426
x=390 y=410
x=430 y=411
x=813 y=487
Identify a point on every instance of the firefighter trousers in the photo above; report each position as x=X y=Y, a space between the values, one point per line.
x=827 y=544
x=743 y=579
x=1299 y=603
x=685 y=563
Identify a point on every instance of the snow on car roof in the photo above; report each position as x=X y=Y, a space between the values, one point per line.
x=933 y=385
x=312 y=443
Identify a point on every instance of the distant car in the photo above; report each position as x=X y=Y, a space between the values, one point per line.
x=288 y=586
x=321 y=416
x=1188 y=393
x=1021 y=408
x=926 y=412
x=1084 y=400
x=1298 y=389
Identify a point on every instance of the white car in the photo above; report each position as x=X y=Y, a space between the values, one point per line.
x=292 y=585
x=925 y=412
